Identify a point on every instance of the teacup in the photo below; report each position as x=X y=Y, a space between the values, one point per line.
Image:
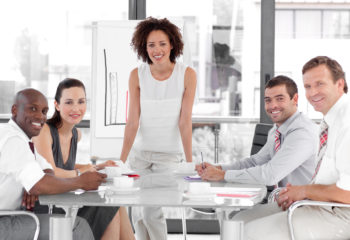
x=113 y=171
x=123 y=182
x=186 y=167
x=199 y=187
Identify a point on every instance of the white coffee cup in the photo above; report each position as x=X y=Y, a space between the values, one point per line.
x=199 y=187
x=123 y=182
x=113 y=171
x=186 y=167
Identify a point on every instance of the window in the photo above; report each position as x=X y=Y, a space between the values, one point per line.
x=306 y=30
x=307 y=24
x=336 y=24
x=224 y=39
x=44 y=42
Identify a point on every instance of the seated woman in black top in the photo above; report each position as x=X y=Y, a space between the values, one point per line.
x=57 y=143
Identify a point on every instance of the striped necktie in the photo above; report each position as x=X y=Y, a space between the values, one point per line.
x=322 y=147
x=31 y=145
x=277 y=140
x=277 y=146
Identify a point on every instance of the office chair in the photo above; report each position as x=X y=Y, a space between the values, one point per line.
x=260 y=137
x=308 y=203
x=8 y=213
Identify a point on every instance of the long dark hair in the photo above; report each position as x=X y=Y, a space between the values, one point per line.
x=56 y=120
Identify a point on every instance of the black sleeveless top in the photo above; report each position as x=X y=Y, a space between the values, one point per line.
x=97 y=217
x=56 y=148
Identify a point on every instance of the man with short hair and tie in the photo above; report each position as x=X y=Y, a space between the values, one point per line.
x=289 y=153
x=23 y=172
x=325 y=89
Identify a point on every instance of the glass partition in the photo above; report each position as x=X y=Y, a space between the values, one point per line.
x=308 y=29
x=224 y=40
x=44 y=42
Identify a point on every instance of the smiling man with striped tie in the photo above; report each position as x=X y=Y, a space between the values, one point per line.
x=290 y=151
x=325 y=88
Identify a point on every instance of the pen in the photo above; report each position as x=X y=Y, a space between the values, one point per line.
x=202 y=161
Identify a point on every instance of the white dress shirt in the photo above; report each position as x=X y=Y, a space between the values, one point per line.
x=335 y=166
x=19 y=167
x=294 y=162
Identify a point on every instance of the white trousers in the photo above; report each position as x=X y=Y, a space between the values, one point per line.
x=149 y=222
x=268 y=221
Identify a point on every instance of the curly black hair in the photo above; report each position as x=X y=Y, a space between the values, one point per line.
x=145 y=27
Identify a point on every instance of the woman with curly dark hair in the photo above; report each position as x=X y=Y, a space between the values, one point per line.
x=160 y=114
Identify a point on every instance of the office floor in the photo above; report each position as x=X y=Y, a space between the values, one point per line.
x=194 y=237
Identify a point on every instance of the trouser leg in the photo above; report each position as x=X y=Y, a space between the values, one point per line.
x=258 y=211
x=309 y=223
x=149 y=223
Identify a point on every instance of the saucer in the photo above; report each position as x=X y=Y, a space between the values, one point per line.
x=189 y=173
x=123 y=190
x=199 y=197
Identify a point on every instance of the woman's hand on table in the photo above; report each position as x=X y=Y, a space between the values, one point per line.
x=87 y=168
x=109 y=163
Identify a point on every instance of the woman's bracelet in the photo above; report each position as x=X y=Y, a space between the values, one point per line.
x=78 y=172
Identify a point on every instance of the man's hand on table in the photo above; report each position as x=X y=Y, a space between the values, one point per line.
x=200 y=167
x=92 y=180
x=212 y=173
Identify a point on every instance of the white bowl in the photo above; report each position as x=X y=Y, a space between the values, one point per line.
x=113 y=172
x=123 y=182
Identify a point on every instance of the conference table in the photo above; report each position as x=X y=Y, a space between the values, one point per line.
x=163 y=190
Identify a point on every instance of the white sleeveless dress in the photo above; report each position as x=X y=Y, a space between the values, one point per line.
x=158 y=146
x=160 y=111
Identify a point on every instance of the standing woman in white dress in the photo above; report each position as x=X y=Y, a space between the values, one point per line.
x=160 y=114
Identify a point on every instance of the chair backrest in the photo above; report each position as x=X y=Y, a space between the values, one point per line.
x=30 y=214
x=260 y=136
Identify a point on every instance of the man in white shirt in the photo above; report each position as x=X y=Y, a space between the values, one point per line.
x=23 y=172
x=325 y=88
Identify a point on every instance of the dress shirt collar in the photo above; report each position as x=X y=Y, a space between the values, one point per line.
x=19 y=130
x=285 y=126
x=334 y=111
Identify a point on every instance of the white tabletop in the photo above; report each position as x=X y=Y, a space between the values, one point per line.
x=165 y=190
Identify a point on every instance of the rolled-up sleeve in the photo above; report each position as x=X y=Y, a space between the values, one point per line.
x=20 y=162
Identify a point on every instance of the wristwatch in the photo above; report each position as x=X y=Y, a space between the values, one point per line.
x=78 y=172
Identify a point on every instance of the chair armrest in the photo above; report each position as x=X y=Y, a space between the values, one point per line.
x=36 y=219
x=308 y=203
